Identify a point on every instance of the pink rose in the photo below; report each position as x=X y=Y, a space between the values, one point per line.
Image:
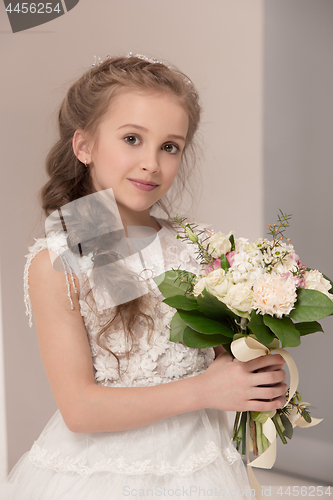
x=230 y=256
x=216 y=265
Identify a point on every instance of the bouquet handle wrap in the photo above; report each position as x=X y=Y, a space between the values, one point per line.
x=245 y=349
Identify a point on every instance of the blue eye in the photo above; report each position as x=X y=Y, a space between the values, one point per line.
x=171 y=148
x=132 y=140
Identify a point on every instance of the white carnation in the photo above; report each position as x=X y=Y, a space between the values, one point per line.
x=315 y=281
x=240 y=244
x=246 y=266
x=274 y=294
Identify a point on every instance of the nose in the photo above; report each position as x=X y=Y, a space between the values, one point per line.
x=149 y=161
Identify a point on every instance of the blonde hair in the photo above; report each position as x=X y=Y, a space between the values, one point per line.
x=84 y=107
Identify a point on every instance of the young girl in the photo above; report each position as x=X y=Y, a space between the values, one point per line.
x=138 y=415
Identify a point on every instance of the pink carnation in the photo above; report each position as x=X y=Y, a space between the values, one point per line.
x=274 y=295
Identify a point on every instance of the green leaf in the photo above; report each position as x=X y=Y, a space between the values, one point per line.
x=288 y=428
x=232 y=241
x=199 y=340
x=169 y=284
x=311 y=305
x=308 y=327
x=177 y=327
x=182 y=302
x=261 y=331
x=284 y=329
x=200 y=323
x=224 y=262
x=306 y=416
x=214 y=308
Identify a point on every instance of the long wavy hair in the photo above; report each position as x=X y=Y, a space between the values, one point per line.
x=84 y=107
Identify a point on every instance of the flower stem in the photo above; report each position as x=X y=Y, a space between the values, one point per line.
x=278 y=428
x=243 y=426
x=254 y=435
x=259 y=437
x=234 y=432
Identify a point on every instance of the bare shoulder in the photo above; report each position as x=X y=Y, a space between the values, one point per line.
x=48 y=280
x=48 y=287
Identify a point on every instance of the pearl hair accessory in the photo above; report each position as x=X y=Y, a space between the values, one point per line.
x=98 y=61
x=145 y=58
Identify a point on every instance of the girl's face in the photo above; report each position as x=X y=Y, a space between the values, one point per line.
x=138 y=150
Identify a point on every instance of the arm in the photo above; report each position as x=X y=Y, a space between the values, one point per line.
x=89 y=407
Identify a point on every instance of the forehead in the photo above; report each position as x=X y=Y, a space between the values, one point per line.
x=145 y=105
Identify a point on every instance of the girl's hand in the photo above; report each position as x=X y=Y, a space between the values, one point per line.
x=257 y=385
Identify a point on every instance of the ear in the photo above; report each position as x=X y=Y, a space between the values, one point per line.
x=82 y=147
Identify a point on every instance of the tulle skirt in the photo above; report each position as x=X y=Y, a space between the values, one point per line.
x=185 y=456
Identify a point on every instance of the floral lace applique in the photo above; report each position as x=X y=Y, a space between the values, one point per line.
x=58 y=462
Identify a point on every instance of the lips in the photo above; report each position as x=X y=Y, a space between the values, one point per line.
x=143 y=184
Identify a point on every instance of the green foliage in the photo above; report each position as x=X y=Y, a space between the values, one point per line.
x=214 y=308
x=288 y=428
x=182 y=302
x=199 y=340
x=170 y=283
x=232 y=241
x=224 y=262
x=308 y=327
x=311 y=305
x=284 y=329
x=260 y=330
x=177 y=327
x=200 y=323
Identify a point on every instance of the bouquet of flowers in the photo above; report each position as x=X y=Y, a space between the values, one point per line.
x=249 y=296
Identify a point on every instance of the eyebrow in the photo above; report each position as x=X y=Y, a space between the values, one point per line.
x=171 y=136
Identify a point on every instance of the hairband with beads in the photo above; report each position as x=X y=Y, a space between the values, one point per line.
x=98 y=61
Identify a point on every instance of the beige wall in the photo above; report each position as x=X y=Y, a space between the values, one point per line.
x=298 y=178
x=220 y=44
x=217 y=43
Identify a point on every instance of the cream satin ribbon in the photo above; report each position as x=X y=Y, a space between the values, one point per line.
x=245 y=349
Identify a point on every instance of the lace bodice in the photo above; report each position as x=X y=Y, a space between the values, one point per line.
x=153 y=359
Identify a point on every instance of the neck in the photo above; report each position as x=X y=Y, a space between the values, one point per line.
x=138 y=219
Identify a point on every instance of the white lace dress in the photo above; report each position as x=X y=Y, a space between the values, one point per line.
x=186 y=456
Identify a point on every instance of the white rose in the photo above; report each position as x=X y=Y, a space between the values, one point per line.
x=287 y=264
x=219 y=244
x=315 y=281
x=199 y=287
x=239 y=299
x=218 y=283
x=274 y=294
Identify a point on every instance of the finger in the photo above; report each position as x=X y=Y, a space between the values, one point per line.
x=268 y=378
x=273 y=392
x=259 y=405
x=265 y=361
